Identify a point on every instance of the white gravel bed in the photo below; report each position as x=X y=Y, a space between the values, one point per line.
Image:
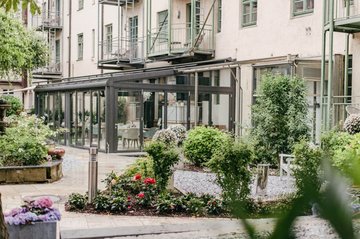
x=205 y=183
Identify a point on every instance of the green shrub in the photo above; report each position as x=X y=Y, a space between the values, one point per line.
x=164 y=157
x=76 y=201
x=118 y=204
x=143 y=166
x=334 y=140
x=231 y=166
x=166 y=203
x=202 y=142
x=24 y=141
x=165 y=136
x=279 y=116
x=15 y=103
x=306 y=167
x=102 y=202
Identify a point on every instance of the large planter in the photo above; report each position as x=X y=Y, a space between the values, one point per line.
x=48 y=172
x=38 y=230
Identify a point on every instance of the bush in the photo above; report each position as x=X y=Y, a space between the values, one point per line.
x=163 y=159
x=352 y=124
x=307 y=167
x=165 y=136
x=180 y=132
x=231 y=166
x=102 y=202
x=202 y=142
x=279 y=116
x=15 y=103
x=76 y=201
x=143 y=166
x=24 y=141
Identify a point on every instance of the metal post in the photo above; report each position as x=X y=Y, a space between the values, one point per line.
x=196 y=97
x=92 y=173
x=330 y=64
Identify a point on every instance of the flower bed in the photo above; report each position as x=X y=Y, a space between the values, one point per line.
x=48 y=172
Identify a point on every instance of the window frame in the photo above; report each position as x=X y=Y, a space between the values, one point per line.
x=108 y=37
x=219 y=16
x=80 y=46
x=251 y=14
x=305 y=10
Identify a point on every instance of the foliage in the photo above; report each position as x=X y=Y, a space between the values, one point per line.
x=165 y=136
x=231 y=166
x=163 y=159
x=24 y=141
x=15 y=104
x=76 y=201
x=334 y=140
x=20 y=49
x=306 y=166
x=279 y=116
x=13 y=4
x=143 y=166
x=40 y=210
x=202 y=142
x=102 y=202
x=352 y=124
x=180 y=132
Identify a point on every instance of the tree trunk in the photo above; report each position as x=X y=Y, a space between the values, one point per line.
x=3 y=231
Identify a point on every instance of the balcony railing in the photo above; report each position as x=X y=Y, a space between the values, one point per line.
x=181 y=40
x=125 y=51
x=47 y=20
x=115 y=2
x=343 y=9
x=51 y=69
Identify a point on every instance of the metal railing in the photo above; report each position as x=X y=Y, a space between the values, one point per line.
x=52 y=68
x=180 y=40
x=343 y=9
x=47 y=20
x=131 y=50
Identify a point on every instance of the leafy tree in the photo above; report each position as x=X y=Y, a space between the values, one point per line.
x=279 y=116
x=13 y=4
x=21 y=49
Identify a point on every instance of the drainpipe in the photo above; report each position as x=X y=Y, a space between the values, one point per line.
x=69 y=39
x=330 y=64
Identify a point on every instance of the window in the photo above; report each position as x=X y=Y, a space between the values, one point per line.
x=57 y=52
x=93 y=43
x=133 y=22
x=109 y=38
x=80 y=46
x=302 y=7
x=219 y=16
x=81 y=4
x=249 y=12
x=163 y=26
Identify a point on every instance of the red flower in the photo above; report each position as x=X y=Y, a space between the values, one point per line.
x=149 y=181
x=137 y=177
x=141 y=195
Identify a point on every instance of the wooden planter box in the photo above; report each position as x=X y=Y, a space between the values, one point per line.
x=38 y=230
x=48 y=172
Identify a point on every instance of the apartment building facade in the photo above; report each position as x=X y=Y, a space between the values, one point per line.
x=154 y=63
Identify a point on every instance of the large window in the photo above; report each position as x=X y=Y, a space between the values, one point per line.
x=219 y=16
x=109 y=38
x=302 y=7
x=163 y=26
x=133 y=22
x=80 y=46
x=249 y=12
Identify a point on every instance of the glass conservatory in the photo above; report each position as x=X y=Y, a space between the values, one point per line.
x=121 y=111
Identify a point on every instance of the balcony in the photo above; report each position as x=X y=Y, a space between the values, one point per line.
x=126 y=53
x=47 y=20
x=52 y=71
x=346 y=15
x=116 y=2
x=181 y=45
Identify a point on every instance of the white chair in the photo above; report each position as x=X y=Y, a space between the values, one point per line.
x=285 y=164
x=131 y=135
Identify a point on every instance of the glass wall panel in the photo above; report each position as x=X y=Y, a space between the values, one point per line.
x=220 y=112
x=128 y=120
x=73 y=118
x=88 y=118
x=177 y=108
x=95 y=122
x=102 y=106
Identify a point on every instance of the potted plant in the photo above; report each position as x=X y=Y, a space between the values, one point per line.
x=35 y=219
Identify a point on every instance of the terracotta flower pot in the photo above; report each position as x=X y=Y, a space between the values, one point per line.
x=59 y=152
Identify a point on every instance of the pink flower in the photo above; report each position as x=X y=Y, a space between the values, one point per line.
x=44 y=202
x=149 y=181
x=137 y=177
x=141 y=195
